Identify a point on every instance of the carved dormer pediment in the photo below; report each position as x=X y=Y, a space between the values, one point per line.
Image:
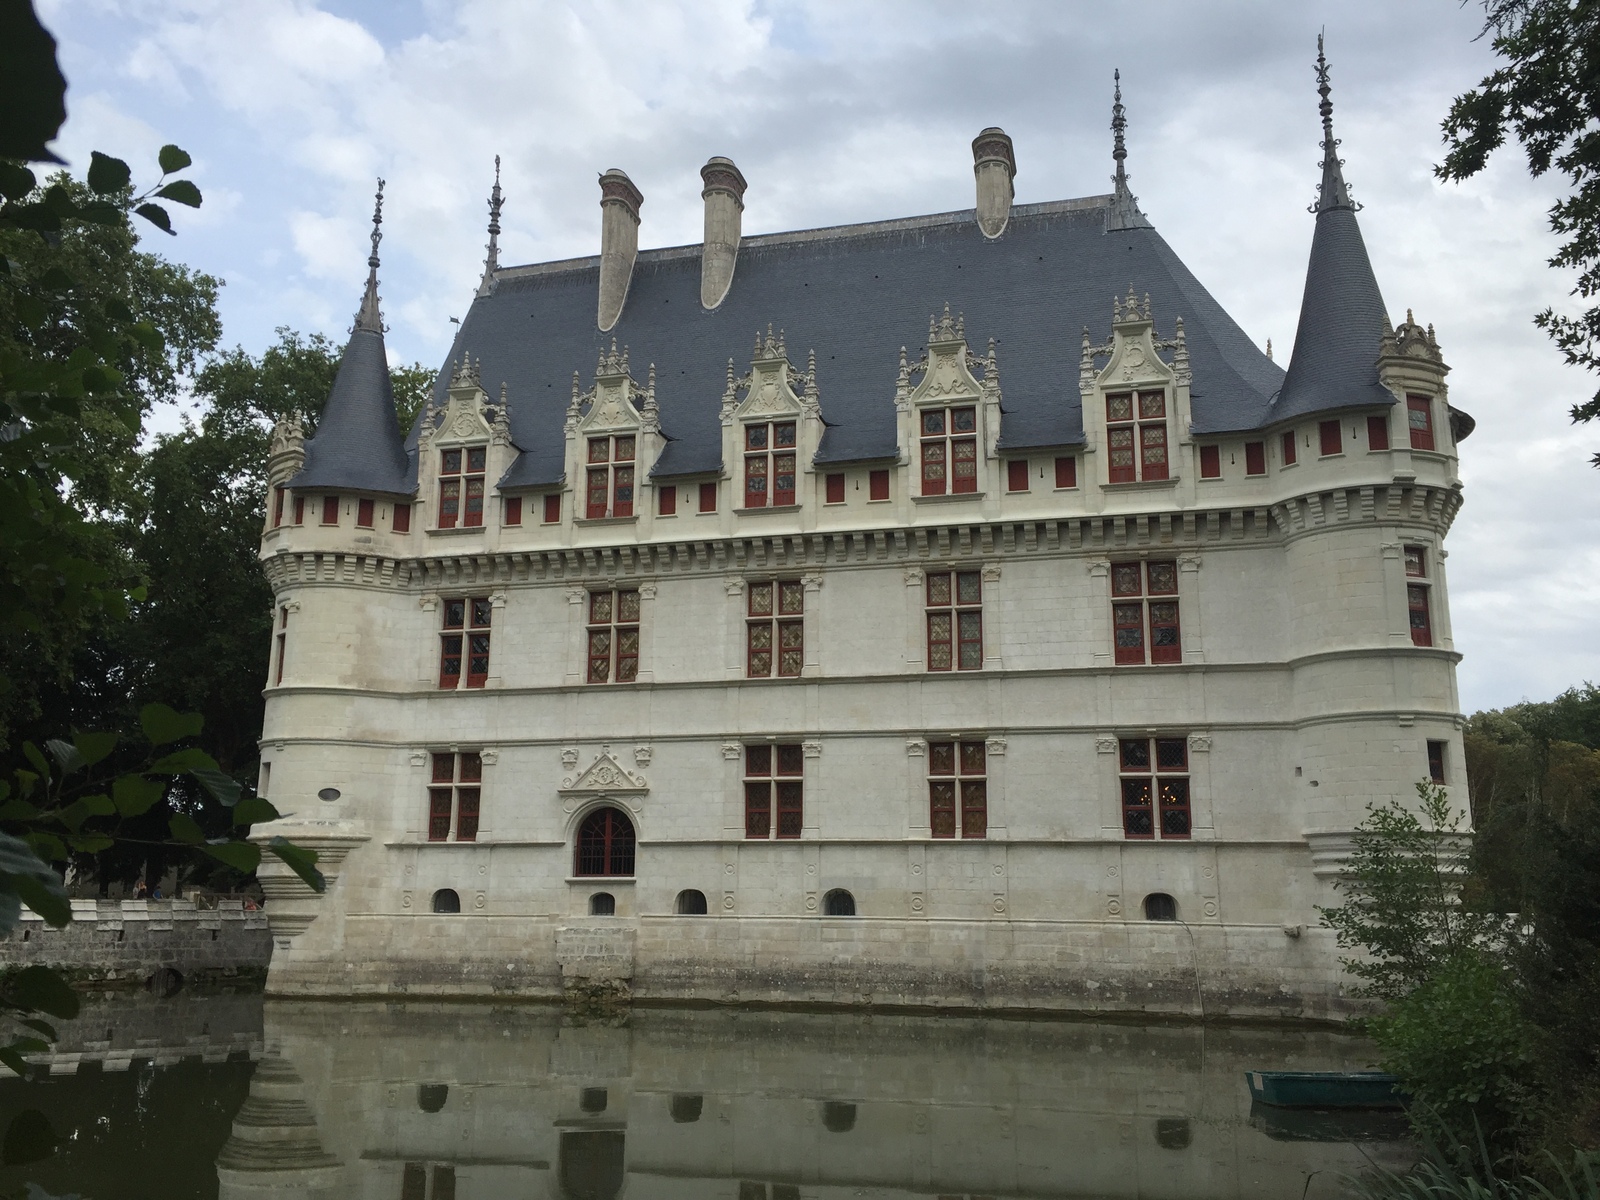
x=616 y=402
x=948 y=370
x=605 y=776
x=1134 y=349
x=286 y=453
x=773 y=387
x=467 y=417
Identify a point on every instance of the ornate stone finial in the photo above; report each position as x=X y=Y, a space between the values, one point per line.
x=572 y=406
x=811 y=395
x=729 y=390
x=286 y=451
x=368 y=316
x=991 y=367
x=1147 y=306
x=1269 y=349
x=1180 y=355
x=467 y=373
x=1332 y=192
x=947 y=328
x=492 y=263
x=1116 y=309
x=903 y=380
x=1086 y=362
x=501 y=422
x=1124 y=210
x=650 y=416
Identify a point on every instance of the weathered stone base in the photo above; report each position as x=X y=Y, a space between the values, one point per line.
x=1202 y=972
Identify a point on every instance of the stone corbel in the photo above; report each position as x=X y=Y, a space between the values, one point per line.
x=575 y=595
x=429 y=602
x=489 y=757
x=914 y=576
x=813 y=583
x=1199 y=743
x=419 y=757
x=811 y=749
x=1105 y=743
x=996 y=747
x=916 y=747
x=991 y=573
x=731 y=751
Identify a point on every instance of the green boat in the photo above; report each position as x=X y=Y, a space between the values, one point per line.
x=1325 y=1089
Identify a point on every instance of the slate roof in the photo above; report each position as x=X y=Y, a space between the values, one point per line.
x=856 y=294
x=357 y=446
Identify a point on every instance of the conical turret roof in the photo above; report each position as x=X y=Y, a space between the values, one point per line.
x=358 y=445
x=1342 y=317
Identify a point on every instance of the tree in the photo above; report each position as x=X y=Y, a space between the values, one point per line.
x=1547 y=93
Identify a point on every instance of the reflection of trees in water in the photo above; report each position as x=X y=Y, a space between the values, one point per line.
x=591 y=1164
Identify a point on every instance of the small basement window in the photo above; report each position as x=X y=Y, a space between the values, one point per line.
x=839 y=903
x=602 y=904
x=691 y=903
x=1158 y=906
x=445 y=900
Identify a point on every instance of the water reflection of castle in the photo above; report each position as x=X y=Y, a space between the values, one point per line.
x=441 y=1103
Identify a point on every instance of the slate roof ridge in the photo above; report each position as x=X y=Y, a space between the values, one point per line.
x=861 y=229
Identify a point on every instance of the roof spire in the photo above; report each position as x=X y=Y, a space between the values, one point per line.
x=1124 y=212
x=367 y=316
x=492 y=263
x=1332 y=192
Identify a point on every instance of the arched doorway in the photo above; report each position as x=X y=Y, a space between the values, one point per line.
x=605 y=844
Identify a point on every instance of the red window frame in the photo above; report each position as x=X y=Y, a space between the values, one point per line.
x=613 y=636
x=364 y=514
x=1210 y=462
x=552 y=508
x=958 y=774
x=1377 y=433
x=465 y=635
x=1255 y=458
x=1331 y=434
x=277 y=505
x=513 y=511
x=1419 y=419
x=667 y=500
x=1144 y=613
x=954 y=602
x=949 y=454
x=1066 y=472
x=1136 y=436
x=606 y=845
x=878 y=485
x=299 y=510
x=770 y=454
x=283 y=642
x=1017 y=475
x=610 y=476
x=774 y=628
x=1153 y=774
x=1419 y=615
x=774 y=783
x=833 y=489
x=708 y=497
x=330 y=510
x=454 y=796
x=402 y=518
x=461 y=486
x=1288 y=449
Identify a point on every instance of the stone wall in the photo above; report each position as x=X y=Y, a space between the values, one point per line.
x=125 y=942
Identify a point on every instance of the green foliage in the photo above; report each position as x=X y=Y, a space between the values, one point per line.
x=412 y=387
x=1437 y=1178
x=1403 y=910
x=1463 y=1050
x=1546 y=92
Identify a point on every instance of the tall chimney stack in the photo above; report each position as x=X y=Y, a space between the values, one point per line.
x=724 y=197
x=995 y=165
x=619 y=242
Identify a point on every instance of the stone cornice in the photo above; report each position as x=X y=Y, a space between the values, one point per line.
x=1401 y=502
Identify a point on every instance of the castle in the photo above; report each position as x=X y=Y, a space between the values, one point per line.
x=1041 y=653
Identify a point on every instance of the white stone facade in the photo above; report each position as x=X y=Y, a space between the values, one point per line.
x=1296 y=693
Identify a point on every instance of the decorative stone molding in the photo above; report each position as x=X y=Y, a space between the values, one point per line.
x=604 y=776
x=291 y=904
x=576 y=595
x=569 y=758
x=1189 y=562
x=647 y=591
x=1100 y=568
x=1105 y=743
x=490 y=756
x=914 y=576
x=991 y=572
x=428 y=602
x=732 y=751
x=642 y=756
x=812 y=583
x=916 y=747
x=811 y=749
x=419 y=757
x=996 y=746
x=1199 y=743
x=734 y=587
x=497 y=599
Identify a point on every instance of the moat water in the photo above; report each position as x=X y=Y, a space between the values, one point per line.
x=230 y=1097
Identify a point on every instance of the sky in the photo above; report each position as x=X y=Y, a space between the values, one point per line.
x=839 y=112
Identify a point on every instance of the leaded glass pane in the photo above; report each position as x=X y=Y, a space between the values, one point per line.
x=1119 y=407
x=969 y=587
x=1152 y=406
x=1125 y=579
x=758 y=760
x=941 y=758
x=972 y=756
x=1163 y=578
x=1135 y=754
x=963 y=420
x=760 y=599
x=600 y=607
x=791 y=760
x=938 y=588
x=932 y=422
x=791 y=597
x=1172 y=754
x=627 y=606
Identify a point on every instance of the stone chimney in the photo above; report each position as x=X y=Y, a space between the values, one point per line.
x=724 y=197
x=619 y=242
x=995 y=165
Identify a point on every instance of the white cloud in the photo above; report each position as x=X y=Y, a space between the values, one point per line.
x=843 y=112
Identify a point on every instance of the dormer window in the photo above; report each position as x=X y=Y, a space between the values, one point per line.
x=769 y=464
x=610 y=479
x=949 y=439
x=1136 y=436
x=461 y=487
